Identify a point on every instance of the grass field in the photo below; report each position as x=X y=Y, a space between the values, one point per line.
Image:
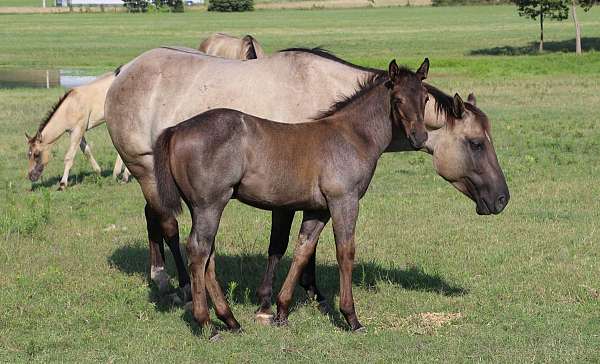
x=433 y=281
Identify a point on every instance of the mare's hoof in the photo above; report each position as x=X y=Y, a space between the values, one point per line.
x=280 y=322
x=264 y=318
x=324 y=307
x=188 y=307
x=161 y=279
x=360 y=330
x=215 y=337
x=186 y=292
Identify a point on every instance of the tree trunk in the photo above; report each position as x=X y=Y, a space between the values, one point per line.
x=577 y=29
x=541 y=49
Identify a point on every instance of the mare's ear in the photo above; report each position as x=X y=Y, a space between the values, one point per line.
x=458 y=106
x=393 y=71
x=423 y=69
x=471 y=99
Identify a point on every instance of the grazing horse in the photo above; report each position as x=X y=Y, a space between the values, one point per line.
x=225 y=154
x=459 y=139
x=77 y=111
x=227 y=46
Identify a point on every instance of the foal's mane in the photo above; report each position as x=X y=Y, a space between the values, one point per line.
x=51 y=112
x=249 y=47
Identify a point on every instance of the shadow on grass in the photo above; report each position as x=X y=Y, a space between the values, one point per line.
x=565 y=46
x=74 y=179
x=240 y=276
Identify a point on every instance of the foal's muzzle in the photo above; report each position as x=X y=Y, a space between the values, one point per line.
x=417 y=139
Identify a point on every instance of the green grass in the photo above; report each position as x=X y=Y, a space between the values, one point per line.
x=25 y=3
x=525 y=283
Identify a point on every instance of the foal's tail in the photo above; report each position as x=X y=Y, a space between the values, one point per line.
x=168 y=192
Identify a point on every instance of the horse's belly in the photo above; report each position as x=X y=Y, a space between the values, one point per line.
x=271 y=193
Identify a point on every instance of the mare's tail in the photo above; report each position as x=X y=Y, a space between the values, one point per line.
x=168 y=192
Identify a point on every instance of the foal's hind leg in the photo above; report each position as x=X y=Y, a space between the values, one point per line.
x=205 y=222
x=281 y=223
x=312 y=225
x=87 y=151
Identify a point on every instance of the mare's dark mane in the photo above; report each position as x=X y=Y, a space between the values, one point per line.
x=444 y=103
x=364 y=86
x=51 y=112
x=249 y=46
x=318 y=51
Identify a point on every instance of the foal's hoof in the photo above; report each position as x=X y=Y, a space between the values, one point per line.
x=264 y=318
x=62 y=187
x=360 y=330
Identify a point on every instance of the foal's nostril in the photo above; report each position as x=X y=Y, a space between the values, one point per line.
x=500 y=203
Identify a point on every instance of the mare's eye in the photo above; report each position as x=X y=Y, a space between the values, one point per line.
x=476 y=145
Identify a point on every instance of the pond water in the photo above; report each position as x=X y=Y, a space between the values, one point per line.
x=43 y=78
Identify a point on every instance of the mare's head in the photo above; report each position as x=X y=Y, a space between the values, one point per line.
x=408 y=99
x=464 y=155
x=38 y=156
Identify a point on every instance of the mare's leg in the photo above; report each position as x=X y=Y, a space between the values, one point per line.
x=312 y=225
x=75 y=138
x=281 y=223
x=309 y=283
x=158 y=273
x=205 y=222
x=87 y=151
x=170 y=233
x=344 y=213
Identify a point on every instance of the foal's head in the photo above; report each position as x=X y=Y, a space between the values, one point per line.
x=408 y=98
x=464 y=155
x=38 y=156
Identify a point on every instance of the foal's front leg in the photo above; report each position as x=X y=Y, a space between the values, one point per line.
x=312 y=225
x=344 y=213
x=74 y=139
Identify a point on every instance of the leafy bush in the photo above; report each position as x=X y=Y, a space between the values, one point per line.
x=231 y=5
x=141 y=6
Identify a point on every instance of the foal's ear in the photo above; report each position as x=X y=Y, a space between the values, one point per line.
x=424 y=69
x=458 y=106
x=393 y=71
x=471 y=99
x=27 y=136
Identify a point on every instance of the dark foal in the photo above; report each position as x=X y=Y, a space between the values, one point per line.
x=223 y=154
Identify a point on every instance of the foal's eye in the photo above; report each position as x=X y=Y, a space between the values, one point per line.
x=475 y=145
x=426 y=99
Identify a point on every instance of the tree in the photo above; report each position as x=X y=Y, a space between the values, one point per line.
x=542 y=9
x=586 y=5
